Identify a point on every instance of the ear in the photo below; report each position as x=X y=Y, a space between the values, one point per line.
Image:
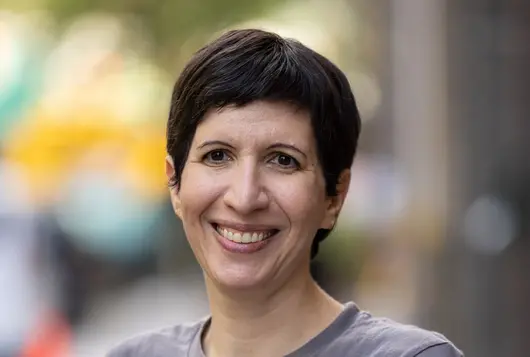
x=173 y=190
x=335 y=202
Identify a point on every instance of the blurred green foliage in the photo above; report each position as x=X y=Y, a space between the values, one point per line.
x=168 y=23
x=344 y=252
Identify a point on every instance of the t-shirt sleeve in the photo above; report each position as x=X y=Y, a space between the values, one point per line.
x=126 y=349
x=440 y=350
x=117 y=352
x=172 y=341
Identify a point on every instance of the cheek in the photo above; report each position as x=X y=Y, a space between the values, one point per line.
x=302 y=200
x=197 y=192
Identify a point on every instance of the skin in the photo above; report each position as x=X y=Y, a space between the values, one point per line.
x=256 y=168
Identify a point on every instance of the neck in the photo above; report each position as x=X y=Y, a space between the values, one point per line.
x=267 y=323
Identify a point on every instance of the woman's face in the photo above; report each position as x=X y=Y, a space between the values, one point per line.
x=252 y=194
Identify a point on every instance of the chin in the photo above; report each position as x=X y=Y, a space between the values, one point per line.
x=239 y=283
x=238 y=276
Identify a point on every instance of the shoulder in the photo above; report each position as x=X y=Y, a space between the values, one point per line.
x=391 y=338
x=170 y=341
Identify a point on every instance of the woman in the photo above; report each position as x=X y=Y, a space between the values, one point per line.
x=261 y=136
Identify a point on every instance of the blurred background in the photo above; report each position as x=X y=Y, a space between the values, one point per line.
x=436 y=230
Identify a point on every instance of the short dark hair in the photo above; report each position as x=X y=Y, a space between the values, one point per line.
x=243 y=66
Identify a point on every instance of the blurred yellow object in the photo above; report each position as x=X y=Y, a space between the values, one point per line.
x=50 y=147
x=146 y=157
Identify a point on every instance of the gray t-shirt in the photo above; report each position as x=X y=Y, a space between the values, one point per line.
x=354 y=333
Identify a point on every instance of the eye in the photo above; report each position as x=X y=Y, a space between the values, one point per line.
x=216 y=157
x=285 y=161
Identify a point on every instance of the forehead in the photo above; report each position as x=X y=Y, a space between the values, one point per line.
x=258 y=121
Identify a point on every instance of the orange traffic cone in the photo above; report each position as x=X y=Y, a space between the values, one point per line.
x=51 y=338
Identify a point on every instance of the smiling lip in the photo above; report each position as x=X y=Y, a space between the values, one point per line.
x=243 y=238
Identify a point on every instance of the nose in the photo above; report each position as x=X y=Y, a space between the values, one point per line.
x=246 y=192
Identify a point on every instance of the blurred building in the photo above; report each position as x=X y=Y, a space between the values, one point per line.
x=483 y=290
x=454 y=119
x=458 y=114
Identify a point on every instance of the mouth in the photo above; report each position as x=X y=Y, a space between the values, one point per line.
x=244 y=235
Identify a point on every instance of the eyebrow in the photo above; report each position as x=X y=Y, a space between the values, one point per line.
x=216 y=143
x=287 y=146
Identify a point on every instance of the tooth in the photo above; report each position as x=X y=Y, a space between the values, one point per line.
x=225 y=232
x=260 y=236
x=255 y=237
x=237 y=237
x=230 y=235
x=246 y=238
